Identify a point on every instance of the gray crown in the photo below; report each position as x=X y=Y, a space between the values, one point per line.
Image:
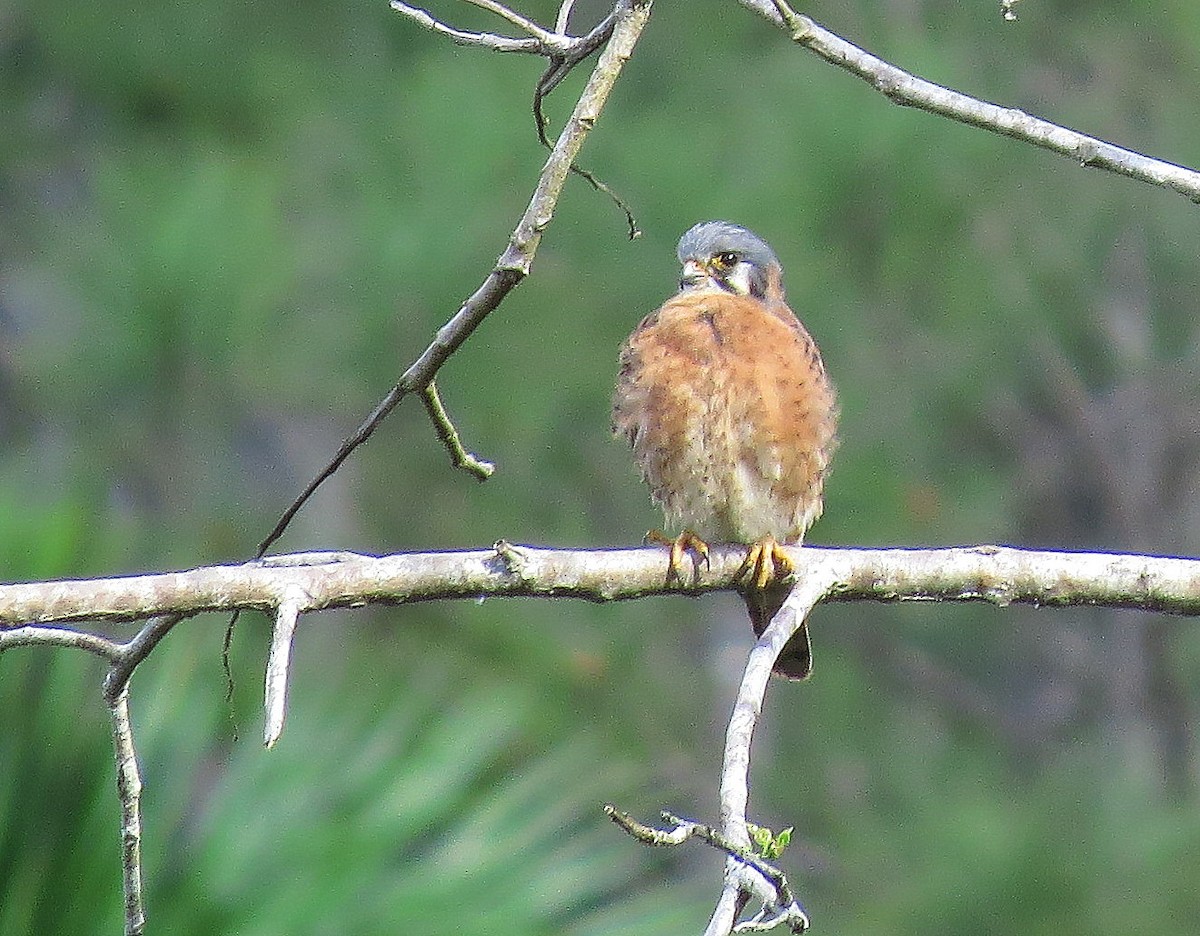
x=709 y=238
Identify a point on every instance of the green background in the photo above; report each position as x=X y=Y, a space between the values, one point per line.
x=226 y=227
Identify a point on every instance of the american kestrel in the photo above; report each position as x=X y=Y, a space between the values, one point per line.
x=723 y=396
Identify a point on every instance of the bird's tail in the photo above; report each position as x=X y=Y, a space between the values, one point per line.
x=795 y=662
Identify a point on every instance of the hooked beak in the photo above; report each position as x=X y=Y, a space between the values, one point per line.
x=695 y=274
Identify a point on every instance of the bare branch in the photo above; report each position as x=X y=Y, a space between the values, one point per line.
x=291 y=585
x=448 y=435
x=906 y=89
x=514 y=264
x=129 y=789
x=997 y=574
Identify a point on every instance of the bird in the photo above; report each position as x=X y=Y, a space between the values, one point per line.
x=722 y=395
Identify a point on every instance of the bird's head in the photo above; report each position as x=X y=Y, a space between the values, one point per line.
x=720 y=255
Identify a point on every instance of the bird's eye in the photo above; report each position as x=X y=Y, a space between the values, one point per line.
x=726 y=259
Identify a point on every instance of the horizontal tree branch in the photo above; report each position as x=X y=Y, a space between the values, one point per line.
x=31 y=614
x=317 y=581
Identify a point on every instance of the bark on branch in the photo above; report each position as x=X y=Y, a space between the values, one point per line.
x=998 y=574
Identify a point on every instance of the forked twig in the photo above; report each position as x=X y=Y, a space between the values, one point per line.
x=785 y=910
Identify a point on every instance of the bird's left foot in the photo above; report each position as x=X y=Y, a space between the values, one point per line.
x=765 y=563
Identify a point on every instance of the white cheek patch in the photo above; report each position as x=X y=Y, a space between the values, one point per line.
x=739 y=278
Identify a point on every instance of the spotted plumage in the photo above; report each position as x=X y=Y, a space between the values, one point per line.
x=724 y=399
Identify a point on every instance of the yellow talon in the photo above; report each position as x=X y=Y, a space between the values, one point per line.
x=687 y=541
x=765 y=562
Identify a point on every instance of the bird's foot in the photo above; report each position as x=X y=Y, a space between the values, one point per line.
x=687 y=541
x=765 y=562
x=767 y=572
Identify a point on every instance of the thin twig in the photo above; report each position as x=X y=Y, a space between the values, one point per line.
x=136 y=650
x=904 y=88
x=648 y=835
x=560 y=66
x=129 y=789
x=448 y=436
x=35 y=636
x=545 y=36
x=564 y=16
x=684 y=829
x=562 y=63
x=463 y=37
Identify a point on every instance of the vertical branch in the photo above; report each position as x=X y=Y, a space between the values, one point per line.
x=741 y=878
x=129 y=789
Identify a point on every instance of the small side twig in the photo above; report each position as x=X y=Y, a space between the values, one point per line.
x=448 y=436
x=564 y=16
x=545 y=36
x=129 y=789
x=648 y=835
x=278 y=664
x=463 y=37
x=683 y=829
x=32 y=635
x=563 y=61
x=787 y=910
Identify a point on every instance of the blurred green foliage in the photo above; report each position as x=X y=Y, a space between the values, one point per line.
x=226 y=229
